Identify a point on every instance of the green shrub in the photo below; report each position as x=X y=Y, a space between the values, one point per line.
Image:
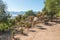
x=5 y=26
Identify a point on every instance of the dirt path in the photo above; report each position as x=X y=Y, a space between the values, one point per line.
x=52 y=33
x=43 y=32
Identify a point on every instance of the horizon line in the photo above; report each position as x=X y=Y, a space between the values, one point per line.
x=22 y=10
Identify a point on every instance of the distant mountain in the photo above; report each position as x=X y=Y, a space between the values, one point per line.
x=16 y=13
x=13 y=13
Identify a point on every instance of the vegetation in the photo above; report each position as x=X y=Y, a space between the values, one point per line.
x=4 y=17
x=30 y=13
x=51 y=10
x=52 y=7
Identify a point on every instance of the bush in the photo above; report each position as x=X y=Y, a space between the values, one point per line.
x=5 y=26
x=28 y=25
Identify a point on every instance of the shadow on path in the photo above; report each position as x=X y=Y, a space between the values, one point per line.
x=57 y=22
x=32 y=31
x=25 y=34
x=49 y=24
x=41 y=27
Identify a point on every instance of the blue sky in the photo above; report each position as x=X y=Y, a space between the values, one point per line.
x=24 y=5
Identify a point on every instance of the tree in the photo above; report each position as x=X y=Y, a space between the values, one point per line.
x=29 y=13
x=53 y=7
x=4 y=23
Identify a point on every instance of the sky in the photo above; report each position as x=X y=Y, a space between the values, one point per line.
x=24 y=5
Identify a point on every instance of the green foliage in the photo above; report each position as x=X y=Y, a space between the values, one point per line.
x=30 y=13
x=5 y=26
x=18 y=18
x=4 y=17
x=58 y=14
x=23 y=17
x=52 y=7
